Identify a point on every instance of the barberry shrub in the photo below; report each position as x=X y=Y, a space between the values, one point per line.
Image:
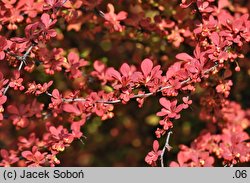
x=171 y=76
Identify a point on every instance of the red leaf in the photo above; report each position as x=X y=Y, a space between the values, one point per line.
x=45 y=18
x=114 y=73
x=99 y=66
x=184 y=57
x=155 y=145
x=3 y=99
x=28 y=155
x=55 y=93
x=165 y=103
x=73 y=57
x=110 y=8
x=71 y=109
x=54 y=131
x=122 y=15
x=4 y=153
x=146 y=66
x=125 y=69
x=76 y=129
x=215 y=38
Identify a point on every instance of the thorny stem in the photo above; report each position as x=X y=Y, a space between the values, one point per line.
x=74 y=100
x=49 y=94
x=99 y=12
x=137 y=95
x=166 y=146
x=22 y=60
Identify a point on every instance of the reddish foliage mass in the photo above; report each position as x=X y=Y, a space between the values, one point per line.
x=58 y=74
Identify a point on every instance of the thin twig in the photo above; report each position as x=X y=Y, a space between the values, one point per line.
x=74 y=100
x=137 y=95
x=22 y=60
x=49 y=94
x=166 y=146
x=99 y=12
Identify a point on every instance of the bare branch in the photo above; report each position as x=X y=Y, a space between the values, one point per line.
x=22 y=60
x=137 y=95
x=166 y=146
